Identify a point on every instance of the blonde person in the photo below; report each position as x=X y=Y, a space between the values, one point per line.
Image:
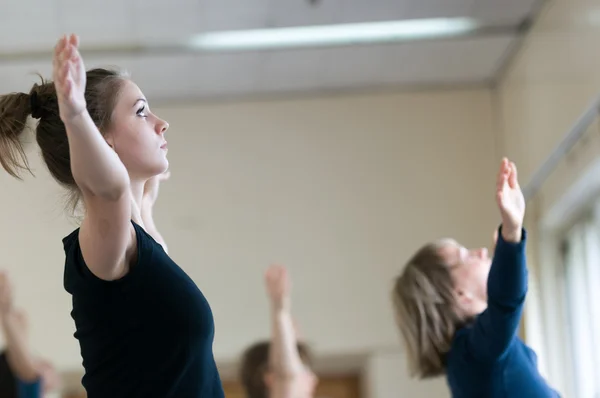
x=143 y=326
x=279 y=368
x=459 y=311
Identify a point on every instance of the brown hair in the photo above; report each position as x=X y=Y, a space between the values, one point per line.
x=426 y=312
x=255 y=364
x=101 y=93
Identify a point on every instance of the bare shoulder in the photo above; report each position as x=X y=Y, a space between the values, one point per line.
x=107 y=237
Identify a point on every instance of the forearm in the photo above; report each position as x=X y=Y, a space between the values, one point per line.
x=284 y=356
x=95 y=165
x=507 y=281
x=18 y=353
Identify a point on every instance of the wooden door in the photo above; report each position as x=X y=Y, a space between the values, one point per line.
x=328 y=387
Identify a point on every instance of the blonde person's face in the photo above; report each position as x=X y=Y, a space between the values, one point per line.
x=469 y=269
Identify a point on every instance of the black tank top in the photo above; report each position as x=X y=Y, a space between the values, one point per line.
x=148 y=334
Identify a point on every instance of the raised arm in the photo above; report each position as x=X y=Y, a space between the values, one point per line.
x=106 y=233
x=285 y=362
x=149 y=199
x=14 y=327
x=497 y=326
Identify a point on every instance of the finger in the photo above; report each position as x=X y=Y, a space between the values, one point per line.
x=68 y=53
x=500 y=172
x=72 y=69
x=76 y=60
x=60 y=45
x=63 y=76
x=501 y=181
x=513 y=180
x=74 y=40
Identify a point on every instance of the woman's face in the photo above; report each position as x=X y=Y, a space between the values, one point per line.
x=469 y=269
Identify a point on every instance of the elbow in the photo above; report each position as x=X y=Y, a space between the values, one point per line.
x=111 y=193
x=110 y=189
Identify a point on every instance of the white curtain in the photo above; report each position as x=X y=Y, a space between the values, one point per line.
x=582 y=278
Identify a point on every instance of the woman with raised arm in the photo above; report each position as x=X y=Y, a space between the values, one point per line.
x=279 y=368
x=459 y=311
x=22 y=374
x=144 y=327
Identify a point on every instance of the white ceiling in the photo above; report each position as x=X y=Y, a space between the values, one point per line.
x=28 y=26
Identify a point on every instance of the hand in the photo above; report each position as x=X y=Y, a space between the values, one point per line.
x=51 y=380
x=278 y=287
x=69 y=78
x=6 y=295
x=151 y=188
x=511 y=201
x=19 y=320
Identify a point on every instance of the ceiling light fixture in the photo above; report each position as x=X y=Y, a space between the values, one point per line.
x=333 y=35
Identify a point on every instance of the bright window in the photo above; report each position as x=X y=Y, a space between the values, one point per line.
x=581 y=273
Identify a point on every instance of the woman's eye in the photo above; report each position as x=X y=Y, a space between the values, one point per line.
x=140 y=111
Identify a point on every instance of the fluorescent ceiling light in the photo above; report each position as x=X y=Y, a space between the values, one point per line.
x=333 y=35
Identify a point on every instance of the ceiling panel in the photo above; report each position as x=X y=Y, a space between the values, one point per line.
x=180 y=75
x=111 y=22
x=451 y=62
x=234 y=14
x=503 y=11
x=349 y=66
x=373 y=10
x=221 y=75
x=162 y=21
x=292 y=70
x=439 y=8
x=302 y=12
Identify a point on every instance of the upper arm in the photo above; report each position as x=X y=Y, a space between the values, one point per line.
x=493 y=331
x=107 y=236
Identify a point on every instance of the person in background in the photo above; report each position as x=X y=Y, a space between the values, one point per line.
x=22 y=374
x=279 y=368
x=459 y=311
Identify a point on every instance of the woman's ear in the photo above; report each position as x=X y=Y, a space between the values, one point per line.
x=109 y=140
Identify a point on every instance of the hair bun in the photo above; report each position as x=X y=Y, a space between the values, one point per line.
x=37 y=111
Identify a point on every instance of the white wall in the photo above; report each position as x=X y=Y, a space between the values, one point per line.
x=382 y=379
x=340 y=189
x=552 y=80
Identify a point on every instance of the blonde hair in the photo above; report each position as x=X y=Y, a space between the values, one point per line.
x=425 y=309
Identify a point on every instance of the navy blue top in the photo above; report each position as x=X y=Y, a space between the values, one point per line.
x=28 y=389
x=148 y=334
x=13 y=387
x=487 y=359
